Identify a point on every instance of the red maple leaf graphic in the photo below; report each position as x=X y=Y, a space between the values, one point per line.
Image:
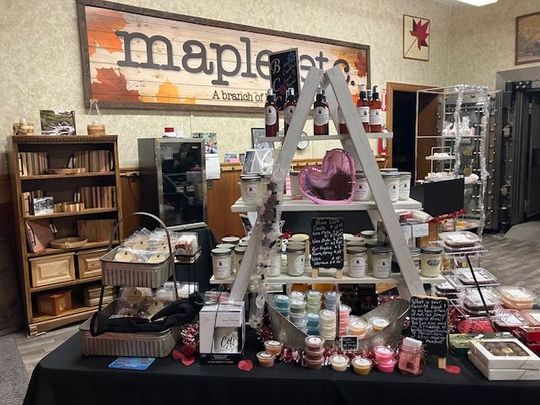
x=420 y=31
x=110 y=86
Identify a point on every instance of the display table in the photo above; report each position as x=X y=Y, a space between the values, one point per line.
x=65 y=377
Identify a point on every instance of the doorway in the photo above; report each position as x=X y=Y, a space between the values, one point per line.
x=401 y=120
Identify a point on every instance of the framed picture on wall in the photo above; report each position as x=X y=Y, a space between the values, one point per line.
x=256 y=134
x=528 y=38
x=416 y=31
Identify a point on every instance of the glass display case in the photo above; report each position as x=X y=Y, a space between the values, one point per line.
x=173 y=180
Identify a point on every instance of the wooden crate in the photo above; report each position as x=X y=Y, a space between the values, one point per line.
x=89 y=264
x=52 y=269
x=54 y=304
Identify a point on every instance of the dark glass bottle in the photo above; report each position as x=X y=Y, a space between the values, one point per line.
x=320 y=114
x=271 y=117
x=375 y=112
x=363 y=107
x=288 y=109
x=342 y=125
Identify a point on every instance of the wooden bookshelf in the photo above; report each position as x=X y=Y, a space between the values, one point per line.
x=58 y=150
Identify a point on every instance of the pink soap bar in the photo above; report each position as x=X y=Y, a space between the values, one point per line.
x=387 y=367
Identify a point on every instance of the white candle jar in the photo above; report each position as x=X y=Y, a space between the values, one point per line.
x=431 y=261
x=275 y=262
x=361 y=191
x=404 y=185
x=381 y=259
x=357 y=261
x=250 y=186
x=222 y=263
x=391 y=181
x=295 y=188
x=239 y=252
x=295 y=261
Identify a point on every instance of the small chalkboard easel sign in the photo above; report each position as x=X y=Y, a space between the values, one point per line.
x=429 y=323
x=284 y=74
x=327 y=244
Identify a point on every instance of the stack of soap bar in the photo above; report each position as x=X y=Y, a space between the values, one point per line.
x=328 y=324
x=344 y=312
x=313 y=324
x=298 y=314
x=313 y=301
x=330 y=300
x=314 y=352
x=282 y=304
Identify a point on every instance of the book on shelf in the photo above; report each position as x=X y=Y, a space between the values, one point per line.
x=93 y=160
x=27 y=201
x=32 y=163
x=98 y=196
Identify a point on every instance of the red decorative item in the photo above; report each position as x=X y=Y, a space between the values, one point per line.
x=475 y=325
x=187 y=361
x=245 y=365
x=420 y=31
x=453 y=369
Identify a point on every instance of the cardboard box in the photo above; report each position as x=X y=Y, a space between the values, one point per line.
x=501 y=374
x=527 y=360
x=222 y=333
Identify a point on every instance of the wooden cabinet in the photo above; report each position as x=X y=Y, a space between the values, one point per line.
x=52 y=270
x=88 y=263
x=34 y=161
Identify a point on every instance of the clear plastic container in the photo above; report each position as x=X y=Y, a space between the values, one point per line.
x=516 y=297
x=483 y=276
x=473 y=305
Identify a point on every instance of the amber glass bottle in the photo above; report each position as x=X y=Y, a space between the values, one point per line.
x=320 y=114
x=363 y=107
x=271 y=117
x=375 y=112
x=288 y=109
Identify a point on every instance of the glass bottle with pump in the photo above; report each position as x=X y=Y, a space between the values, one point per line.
x=375 y=112
x=289 y=108
x=320 y=114
x=271 y=114
x=363 y=107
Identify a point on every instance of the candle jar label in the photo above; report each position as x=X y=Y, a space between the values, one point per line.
x=382 y=268
x=357 y=267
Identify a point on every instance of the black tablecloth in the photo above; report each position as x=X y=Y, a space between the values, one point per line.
x=65 y=377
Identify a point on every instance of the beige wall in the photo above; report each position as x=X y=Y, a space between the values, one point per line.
x=483 y=40
x=41 y=67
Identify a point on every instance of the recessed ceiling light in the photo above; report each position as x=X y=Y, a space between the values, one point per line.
x=478 y=3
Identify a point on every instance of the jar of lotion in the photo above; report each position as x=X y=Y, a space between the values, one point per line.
x=361 y=191
x=357 y=261
x=275 y=261
x=391 y=181
x=404 y=185
x=295 y=260
x=222 y=263
x=381 y=259
x=250 y=186
x=431 y=261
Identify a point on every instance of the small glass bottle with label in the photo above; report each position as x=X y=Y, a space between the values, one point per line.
x=362 y=106
x=375 y=112
x=288 y=109
x=271 y=114
x=343 y=130
x=321 y=115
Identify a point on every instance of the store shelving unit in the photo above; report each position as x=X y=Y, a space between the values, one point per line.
x=456 y=105
x=59 y=149
x=356 y=142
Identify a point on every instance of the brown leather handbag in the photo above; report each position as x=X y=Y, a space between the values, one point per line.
x=39 y=235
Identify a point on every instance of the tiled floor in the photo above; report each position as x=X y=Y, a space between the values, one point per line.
x=512 y=261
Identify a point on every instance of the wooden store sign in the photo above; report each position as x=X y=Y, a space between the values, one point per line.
x=140 y=58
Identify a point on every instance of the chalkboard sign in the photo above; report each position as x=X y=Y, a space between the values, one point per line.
x=349 y=343
x=284 y=74
x=429 y=323
x=327 y=243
